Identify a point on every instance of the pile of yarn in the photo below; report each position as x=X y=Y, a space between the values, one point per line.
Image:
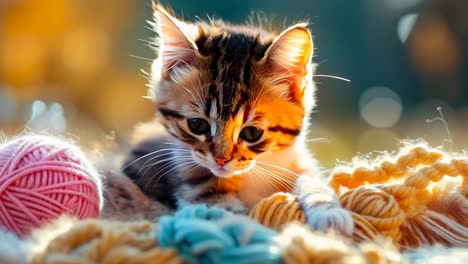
x=404 y=198
x=43 y=177
x=198 y=234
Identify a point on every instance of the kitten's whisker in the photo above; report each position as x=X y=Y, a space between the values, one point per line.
x=332 y=77
x=146 y=41
x=168 y=160
x=272 y=181
x=165 y=173
x=147 y=77
x=186 y=154
x=277 y=178
x=254 y=179
x=160 y=155
x=266 y=176
x=144 y=72
x=157 y=180
x=153 y=158
x=178 y=166
x=165 y=166
x=288 y=184
x=319 y=140
x=277 y=173
x=196 y=166
x=142 y=58
x=152 y=27
x=160 y=161
x=164 y=160
x=284 y=183
x=170 y=163
x=261 y=175
x=172 y=143
x=146 y=155
x=278 y=167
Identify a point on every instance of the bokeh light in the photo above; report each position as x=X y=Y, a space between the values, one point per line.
x=45 y=117
x=434 y=48
x=405 y=25
x=380 y=107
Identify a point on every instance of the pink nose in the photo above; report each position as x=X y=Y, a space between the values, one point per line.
x=221 y=160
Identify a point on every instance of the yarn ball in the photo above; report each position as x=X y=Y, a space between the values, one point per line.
x=43 y=177
x=212 y=235
x=277 y=210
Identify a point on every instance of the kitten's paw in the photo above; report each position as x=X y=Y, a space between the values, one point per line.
x=322 y=207
x=324 y=217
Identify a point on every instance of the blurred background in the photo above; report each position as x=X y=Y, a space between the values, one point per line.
x=74 y=67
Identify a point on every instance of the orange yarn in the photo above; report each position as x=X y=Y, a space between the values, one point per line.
x=387 y=169
x=394 y=199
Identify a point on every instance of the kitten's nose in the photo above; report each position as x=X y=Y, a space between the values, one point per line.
x=221 y=160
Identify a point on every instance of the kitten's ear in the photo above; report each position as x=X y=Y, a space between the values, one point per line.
x=288 y=59
x=175 y=39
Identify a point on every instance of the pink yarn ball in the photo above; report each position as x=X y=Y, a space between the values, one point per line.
x=43 y=177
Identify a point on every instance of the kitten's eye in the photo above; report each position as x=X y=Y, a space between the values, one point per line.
x=251 y=134
x=198 y=126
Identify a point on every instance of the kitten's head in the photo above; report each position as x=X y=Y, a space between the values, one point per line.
x=231 y=92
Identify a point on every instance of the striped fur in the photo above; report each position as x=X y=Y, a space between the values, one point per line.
x=231 y=77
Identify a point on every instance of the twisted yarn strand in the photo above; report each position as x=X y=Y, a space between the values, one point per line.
x=385 y=170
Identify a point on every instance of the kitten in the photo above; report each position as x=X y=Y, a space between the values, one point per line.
x=234 y=104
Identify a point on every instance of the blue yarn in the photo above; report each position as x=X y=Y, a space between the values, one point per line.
x=213 y=235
